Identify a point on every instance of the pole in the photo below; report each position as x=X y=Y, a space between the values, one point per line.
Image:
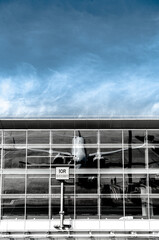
x=61 y=207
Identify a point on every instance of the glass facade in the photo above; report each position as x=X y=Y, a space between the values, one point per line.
x=113 y=173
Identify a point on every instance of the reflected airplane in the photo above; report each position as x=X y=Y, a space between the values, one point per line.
x=78 y=155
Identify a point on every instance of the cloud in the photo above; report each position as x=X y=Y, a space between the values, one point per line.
x=79 y=58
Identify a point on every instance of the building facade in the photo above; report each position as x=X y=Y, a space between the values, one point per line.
x=113 y=185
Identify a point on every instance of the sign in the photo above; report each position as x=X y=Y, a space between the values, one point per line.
x=62 y=173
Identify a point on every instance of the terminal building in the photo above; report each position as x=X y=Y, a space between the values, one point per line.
x=111 y=191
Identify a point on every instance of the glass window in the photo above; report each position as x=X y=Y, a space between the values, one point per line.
x=87 y=137
x=68 y=186
x=38 y=137
x=13 y=207
x=153 y=136
x=154 y=207
x=61 y=156
x=86 y=207
x=111 y=157
x=134 y=157
x=153 y=154
x=112 y=206
x=136 y=205
x=134 y=136
x=13 y=184
x=136 y=195
x=154 y=183
x=62 y=137
x=14 y=137
x=14 y=158
x=38 y=162
x=37 y=208
x=111 y=184
x=38 y=184
x=31 y=152
x=68 y=206
x=110 y=136
x=86 y=183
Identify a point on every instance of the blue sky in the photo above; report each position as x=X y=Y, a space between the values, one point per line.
x=79 y=57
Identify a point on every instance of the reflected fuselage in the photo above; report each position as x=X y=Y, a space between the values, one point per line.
x=78 y=151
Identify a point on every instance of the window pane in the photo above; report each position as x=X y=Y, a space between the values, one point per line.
x=13 y=208
x=134 y=183
x=136 y=205
x=111 y=184
x=38 y=184
x=38 y=137
x=89 y=137
x=86 y=207
x=134 y=136
x=68 y=206
x=14 y=137
x=154 y=183
x=136 y=195
x=14 y=158
x=111 y=157
x=108 y=136
x=62 y=137
x=153 y=136
x=38 y=162
x=134 y=158
x=13 y=184
x=154 y=207
x=86 y=183
x=153 y=154
x=68 y=186
x=37 y=208
x=112 y=206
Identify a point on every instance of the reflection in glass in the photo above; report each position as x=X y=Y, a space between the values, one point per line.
x=110 y=136
x=38 y=162
x=112 y=206
x=12 y=208
x=89 y=137
x=153 y=154
x=112 y=184
x=110 y=157
x=37 y=208
x=134 y=158
x=61 y=156
x=38 y=184
x=154 y=207
x=136 y=205
x=153 y=137
x=86 y=207
x=68 y=186
x=86 y=183
x=13 y=184
x=134 y=136
x=68 y=206
x=136 y=195
x=14 y=137
x=154 y=183
x=62 y=137
x=14 y=158
x=38 y=137
x=38 y=152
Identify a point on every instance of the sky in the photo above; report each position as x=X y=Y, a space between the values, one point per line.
x=79 y=58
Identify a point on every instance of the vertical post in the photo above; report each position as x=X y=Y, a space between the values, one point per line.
x=61 y=207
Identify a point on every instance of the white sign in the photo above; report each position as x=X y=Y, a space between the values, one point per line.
x=62 y=173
